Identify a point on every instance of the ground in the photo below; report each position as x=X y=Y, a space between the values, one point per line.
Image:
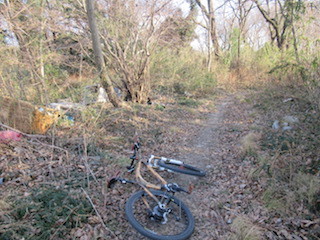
x=215 y=148
x=212 y=143
x=56 y=188
x=225 y=196
x=218 y=199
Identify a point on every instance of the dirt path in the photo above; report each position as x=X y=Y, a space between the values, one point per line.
x=223 y=194
x=216 y=149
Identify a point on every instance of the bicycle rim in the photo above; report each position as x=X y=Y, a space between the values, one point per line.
x=182 y=168
x=138 y=215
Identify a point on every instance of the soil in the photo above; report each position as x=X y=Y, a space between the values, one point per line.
x=214 y=145
x=217 y=198
x=225 y=203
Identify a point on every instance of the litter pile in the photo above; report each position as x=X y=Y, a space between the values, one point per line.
x=26 y=117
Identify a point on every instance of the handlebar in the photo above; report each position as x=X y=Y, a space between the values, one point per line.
x=134 y=157
x=170 y=187
x=113 y=181
x=135 y=148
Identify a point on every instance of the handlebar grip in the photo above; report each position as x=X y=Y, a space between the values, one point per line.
x=112 y=182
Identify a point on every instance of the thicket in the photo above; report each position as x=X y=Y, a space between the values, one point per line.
x=42 y=64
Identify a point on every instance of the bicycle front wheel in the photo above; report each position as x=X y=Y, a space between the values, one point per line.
x=181 y=168
x=178 y=223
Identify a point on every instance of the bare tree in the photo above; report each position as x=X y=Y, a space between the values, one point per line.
x=28 y=39
x=241 y=10
x=280 y=18
x=133 y=37
x=106 y=81
x=208 y=12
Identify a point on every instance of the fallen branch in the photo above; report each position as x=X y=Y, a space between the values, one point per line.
x=98 y=214
x=86 y=163
x=51 y=146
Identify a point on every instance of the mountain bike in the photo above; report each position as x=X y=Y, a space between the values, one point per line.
x=154 y=211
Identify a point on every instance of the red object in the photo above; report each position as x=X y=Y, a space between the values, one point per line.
x=8 y=136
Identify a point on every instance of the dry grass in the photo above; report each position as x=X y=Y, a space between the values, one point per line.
x=96 y=147
x=4 y=205
x=243 y=78
x=244 y=229
x=250 y=144
x=287 y=162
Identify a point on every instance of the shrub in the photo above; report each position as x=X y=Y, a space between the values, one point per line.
x=181 y=71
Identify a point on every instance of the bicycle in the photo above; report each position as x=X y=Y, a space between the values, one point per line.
x=154 y=211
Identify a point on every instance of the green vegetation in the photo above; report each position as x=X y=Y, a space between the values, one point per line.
x=48 y=212
x=181 y=71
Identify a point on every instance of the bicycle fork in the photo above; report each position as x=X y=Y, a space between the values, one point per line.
x=162 y=209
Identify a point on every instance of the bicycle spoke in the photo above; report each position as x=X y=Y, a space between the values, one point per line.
x=166 y=222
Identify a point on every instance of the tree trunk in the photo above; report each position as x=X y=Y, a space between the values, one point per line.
x=280 y=24
x=137 y=91
x=213 y=29
x=105 y=79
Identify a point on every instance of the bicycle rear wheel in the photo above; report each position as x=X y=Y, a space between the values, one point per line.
x=181 y=168
x=178 y=226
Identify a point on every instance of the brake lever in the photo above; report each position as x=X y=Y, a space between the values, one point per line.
x=112 y=181
x=183 y=190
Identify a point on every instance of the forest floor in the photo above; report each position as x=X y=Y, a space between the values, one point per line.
x=225 y=194
x=59 y=190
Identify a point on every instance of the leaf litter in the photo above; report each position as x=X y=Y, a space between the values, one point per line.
x=73 y=166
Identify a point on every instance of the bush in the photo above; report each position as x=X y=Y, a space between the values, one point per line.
x=181 y=71
x=45 y=213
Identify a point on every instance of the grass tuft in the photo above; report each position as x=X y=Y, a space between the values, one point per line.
x=250 y=144
x=189 y=102
x=4 y=205
x=244 y=229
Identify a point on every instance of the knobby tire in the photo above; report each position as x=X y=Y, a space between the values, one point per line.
x=182 y=168
x=137 y=215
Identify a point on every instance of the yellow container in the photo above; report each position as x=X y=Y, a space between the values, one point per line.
x=26 y=117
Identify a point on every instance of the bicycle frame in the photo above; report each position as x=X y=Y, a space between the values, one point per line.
x=170 y=188
x=145 y=185
x=166 y=214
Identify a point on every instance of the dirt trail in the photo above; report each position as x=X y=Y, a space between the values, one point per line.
x=216 y=149
x=217 y=198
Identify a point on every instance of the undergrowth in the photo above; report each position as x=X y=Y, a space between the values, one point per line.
x=287 y=160
x=47 y=213
x=49 y=203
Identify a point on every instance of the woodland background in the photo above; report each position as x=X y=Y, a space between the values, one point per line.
x=178 y=56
